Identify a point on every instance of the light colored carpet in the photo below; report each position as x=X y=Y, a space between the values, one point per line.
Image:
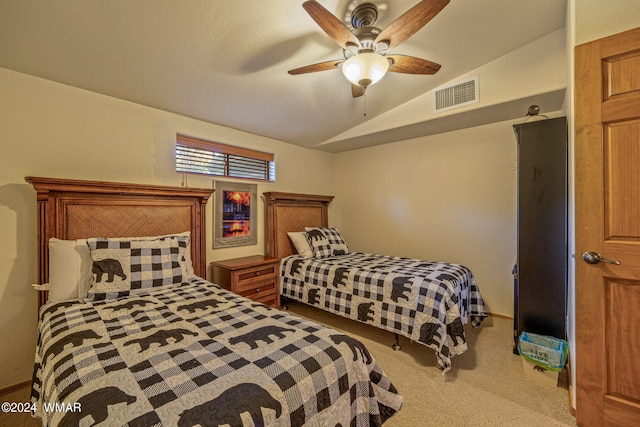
x=485 y=387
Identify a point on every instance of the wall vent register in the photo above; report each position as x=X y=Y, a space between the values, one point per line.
x=456 y=95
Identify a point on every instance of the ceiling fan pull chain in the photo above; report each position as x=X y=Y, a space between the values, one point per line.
x=364 y=104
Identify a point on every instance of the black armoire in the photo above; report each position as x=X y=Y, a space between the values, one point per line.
x=540 y=273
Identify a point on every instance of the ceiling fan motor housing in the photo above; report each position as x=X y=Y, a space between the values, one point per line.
x=364 y=15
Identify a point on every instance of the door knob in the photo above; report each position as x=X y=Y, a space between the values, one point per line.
x=592 y=257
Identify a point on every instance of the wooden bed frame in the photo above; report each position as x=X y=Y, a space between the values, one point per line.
x=292 y=212
x=73 y=209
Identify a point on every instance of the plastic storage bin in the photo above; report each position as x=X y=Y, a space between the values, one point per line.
x=546 y=352
x=543 y=357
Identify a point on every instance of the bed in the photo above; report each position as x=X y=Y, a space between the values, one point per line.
x=425 y=301
x=166 y=346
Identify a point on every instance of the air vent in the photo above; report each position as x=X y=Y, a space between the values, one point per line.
x=456 y=95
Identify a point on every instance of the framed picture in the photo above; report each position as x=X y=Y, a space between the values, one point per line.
x=235 y=216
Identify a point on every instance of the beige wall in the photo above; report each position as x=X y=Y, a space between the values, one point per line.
x=447 y=197
x=54 y=130
x=595 y=19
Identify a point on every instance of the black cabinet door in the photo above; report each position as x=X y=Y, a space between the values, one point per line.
x=541 y=271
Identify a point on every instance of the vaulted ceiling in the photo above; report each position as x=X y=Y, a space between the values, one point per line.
x=226 y=61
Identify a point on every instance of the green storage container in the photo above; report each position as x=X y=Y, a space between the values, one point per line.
x=544 y=351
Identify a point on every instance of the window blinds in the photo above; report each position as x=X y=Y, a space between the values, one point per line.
x=194 y=155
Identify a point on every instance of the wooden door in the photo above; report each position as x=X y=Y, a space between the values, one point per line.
x=607 y=166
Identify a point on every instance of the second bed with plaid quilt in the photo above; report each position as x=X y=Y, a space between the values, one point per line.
x=195 y=354
x=425 y=301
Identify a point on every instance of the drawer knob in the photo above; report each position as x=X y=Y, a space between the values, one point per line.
x=257 y=290
x=257 y=273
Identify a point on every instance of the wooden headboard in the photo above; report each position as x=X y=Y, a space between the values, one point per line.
x=73 y=209
x=292 y=212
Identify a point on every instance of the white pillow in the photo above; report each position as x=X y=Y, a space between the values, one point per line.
x=70 y=273
x=299 y=240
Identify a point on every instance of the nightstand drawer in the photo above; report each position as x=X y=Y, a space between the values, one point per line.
x=259 y=290
x=267 y=298
x=255 y=285
x=255 y=273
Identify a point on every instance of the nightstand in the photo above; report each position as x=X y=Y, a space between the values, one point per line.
x=255 y=277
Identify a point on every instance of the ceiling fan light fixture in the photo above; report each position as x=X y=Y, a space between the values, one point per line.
x=365 y=69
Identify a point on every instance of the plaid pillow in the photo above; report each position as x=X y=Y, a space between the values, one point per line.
x=124 y=267
x=326 y=242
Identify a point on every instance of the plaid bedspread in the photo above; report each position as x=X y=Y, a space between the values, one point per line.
x=197 y=354
x=425 y=301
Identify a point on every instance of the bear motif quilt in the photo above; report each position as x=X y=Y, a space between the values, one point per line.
x=425 y=301
x=196 y=354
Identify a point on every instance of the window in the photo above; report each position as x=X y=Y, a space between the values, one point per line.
x=194 y=155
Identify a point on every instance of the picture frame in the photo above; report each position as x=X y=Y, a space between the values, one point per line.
x=235 y=214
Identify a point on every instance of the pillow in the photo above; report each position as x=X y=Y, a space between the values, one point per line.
x=124 y=267
x=299 y=240
x=70 y=263
x=186 y=261
x=69 y=269
x=326 y=242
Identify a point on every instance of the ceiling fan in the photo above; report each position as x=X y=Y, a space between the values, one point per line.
x=365 y=49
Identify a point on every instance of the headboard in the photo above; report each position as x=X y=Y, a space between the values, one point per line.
x=292 y=212
x=73 y=209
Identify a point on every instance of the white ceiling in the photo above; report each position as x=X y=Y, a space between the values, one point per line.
x=226 y=61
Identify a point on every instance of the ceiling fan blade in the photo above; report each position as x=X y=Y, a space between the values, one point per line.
x=410 y=22
x=330 y=24
x=357 y=91
x=411 y=65
x=321 y=66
